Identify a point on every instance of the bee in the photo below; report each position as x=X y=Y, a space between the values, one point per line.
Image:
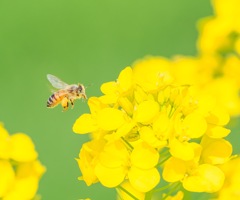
x=65 y=93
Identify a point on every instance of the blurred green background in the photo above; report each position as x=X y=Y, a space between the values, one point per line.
x=79 y=41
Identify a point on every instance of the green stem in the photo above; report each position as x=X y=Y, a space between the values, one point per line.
x=148 y=196
x=173 y=189
x=127 y=143
x=162 y=161
x=162 y=188
x=170 y=112
x=164 y=153
x=128 y=193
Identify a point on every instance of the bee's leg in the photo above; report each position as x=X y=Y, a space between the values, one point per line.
x=65 y=103
x=71 y=101
x=83 y=97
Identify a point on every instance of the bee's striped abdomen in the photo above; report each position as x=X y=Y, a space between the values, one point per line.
x=54 y=100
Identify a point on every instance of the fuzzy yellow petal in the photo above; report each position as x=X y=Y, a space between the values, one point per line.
x=148 y=135
x=110 y=177
x=125 y=80
x=217 y=131
x=109 y=99
x=194 y=125
x=110 y=119
x=152 y=73
x=144 y=156
x=216 y=151
x=88 y=155
x=22 y=148
x=114 y=154
x=174 y=170
x=162 y=124
x=207 y=178
x=85 y=124
x=181 y=150
x=34 y=168
x=95 y=105
x=146 y=111
x=143 y=180
x=109 y=87
x=218 y=116
x=23 y=188
x=4 y=143
x=7 y=177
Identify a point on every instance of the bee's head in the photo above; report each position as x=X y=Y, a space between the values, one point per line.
x=81 y=90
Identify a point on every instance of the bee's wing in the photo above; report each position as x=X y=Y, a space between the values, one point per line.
x=56 y=82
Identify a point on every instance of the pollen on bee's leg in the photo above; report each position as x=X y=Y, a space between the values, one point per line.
x=64 y=104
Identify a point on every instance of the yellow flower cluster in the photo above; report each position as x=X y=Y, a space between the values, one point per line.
x=219 y=42
x=164 y=119
x=20 y=171
x=220 y=33
x=215 y=70
x=144 y=116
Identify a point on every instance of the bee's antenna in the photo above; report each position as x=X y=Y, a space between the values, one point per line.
x=88 y=85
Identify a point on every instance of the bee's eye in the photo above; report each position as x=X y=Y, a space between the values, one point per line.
x=80 y=88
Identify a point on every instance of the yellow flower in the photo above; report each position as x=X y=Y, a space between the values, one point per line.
x=155 y=78
x=106 y=119
x=88 y=158
x=7 y=177
x=231 y=187
x=216 y=151
x=20 y=171
x=115 y=164
x=205 y=178
x=22 y=148
x=195 y=178
x=146 y=113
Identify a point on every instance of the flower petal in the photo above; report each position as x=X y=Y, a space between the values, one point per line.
x=143 y=180
x=181 y=150
x=144 y=156
x=7 y=177
x=110 y=177
x=125 y=80
x=84 y=124
x=4 y=143
x=22 y=148
x=217 y=131
x=216 y=151
x=174 y=170
x=207 y=178
x=146 y=111
x=194 y=125
x=110 y=119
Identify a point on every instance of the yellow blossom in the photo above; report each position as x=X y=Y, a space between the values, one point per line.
x=115 y=164
x=205 y=178
x=20 y=171
x=231 y=187
x=157 y=77
x=146 y=111
x=7 y=177
x=216 y=151
x=130 y=131
x=88 y=159
x=22 y=148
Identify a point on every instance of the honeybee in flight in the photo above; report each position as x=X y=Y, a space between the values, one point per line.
x=65 y=93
